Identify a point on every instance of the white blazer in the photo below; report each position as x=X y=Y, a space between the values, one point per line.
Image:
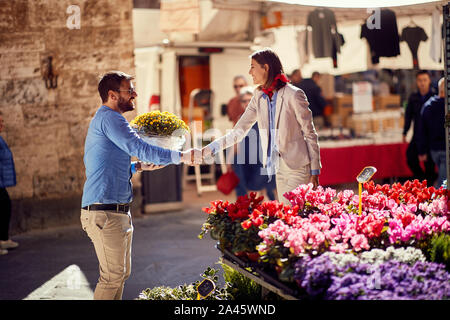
x=296 y=137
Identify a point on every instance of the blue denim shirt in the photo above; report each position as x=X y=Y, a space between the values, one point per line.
x=7 y=170
x=272 y=148
x=110 y=143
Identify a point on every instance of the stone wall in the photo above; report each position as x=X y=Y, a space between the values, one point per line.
x=46 y=128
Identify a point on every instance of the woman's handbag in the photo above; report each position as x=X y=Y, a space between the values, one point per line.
x=227 y=182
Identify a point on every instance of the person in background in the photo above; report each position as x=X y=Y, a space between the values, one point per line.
x=234 y=107
x=288 y=138
x=247 y=162
x=296 y=77
x=316 y=100
x=107 y=193
x=7 y=179
x=412 y=114
x=431 y=139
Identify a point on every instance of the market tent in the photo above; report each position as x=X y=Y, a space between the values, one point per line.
x=290 y=18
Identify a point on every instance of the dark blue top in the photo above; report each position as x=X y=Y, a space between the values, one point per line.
x=7 y=170
x=412 y=112
x=316 y=101
x=431 y=129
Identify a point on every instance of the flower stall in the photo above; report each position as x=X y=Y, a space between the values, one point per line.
x=321 y=247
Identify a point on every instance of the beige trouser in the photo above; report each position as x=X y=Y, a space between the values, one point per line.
x=111 y=234
x=288 y=179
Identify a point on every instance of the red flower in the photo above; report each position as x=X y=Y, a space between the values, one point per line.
x=246 y=224
x=258 y=221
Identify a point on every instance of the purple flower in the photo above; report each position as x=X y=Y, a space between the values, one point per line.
x=391 y=280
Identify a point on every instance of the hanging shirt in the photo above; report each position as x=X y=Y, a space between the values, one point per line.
x=383 y=42
x=412 y=36
x=323 y=24
x=304 y=49
x=436 y=37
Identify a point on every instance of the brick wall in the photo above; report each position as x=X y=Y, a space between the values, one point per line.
x=45 y=129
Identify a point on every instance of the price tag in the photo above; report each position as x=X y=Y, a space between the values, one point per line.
x=366 y=174
x=205 y=288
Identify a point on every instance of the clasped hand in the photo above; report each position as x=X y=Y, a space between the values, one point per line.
x=197 y=156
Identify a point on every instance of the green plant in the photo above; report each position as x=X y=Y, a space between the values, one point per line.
x=240 y=287
x=440 y=249
x=188 y=292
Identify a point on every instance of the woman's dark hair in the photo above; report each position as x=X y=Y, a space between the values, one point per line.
x=269 y=57
x=111 y=81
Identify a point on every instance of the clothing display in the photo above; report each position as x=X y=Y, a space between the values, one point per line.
x=303 y=48
x=412 y=36
x=383 y=42
x=436 y=37
x=339 y=41
x=324 y=29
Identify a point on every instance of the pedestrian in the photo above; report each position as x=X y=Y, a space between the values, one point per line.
x=431 y=139
x=247 y=159
x=412 y=114
x=296 y=77
x=234 y=106
x=288 y=138
x=316 y=100
x=107 y=193
x=7 y=179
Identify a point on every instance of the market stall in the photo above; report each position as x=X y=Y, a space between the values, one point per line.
x=322 y=247
x=342 y=164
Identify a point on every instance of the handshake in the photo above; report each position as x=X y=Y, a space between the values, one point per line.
x=197 y=156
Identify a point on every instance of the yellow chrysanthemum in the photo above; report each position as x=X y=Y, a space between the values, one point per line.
x=158 y=123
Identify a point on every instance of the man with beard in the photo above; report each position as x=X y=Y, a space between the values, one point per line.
x=105 y=213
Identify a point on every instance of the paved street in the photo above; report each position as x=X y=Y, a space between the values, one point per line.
x=61 y=263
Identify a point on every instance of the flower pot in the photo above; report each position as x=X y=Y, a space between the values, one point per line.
x=278 y=269
x=253 y=256
x=240 y=254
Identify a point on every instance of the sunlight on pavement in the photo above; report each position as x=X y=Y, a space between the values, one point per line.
x=69 y=284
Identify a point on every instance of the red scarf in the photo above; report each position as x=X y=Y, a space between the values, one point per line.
x=280 y=77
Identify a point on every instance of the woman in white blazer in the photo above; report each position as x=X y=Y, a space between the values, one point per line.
x=288 y=138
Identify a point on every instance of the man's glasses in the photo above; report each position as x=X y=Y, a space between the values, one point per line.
x=238 y=86
x=130 y=91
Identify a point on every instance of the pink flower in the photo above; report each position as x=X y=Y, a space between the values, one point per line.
x=339 y=248
x=344 y=197
x=359 y=242
x=395 y=230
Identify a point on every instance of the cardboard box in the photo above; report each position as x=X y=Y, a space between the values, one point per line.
x=387 y=102
x=326 y=83
x=361 y=123
x=343 y=105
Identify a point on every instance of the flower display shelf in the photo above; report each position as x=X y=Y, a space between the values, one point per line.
x=268 y=282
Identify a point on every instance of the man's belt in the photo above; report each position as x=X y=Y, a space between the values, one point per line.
x=122 y=208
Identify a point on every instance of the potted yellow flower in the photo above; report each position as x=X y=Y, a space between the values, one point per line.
x=163 y=129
